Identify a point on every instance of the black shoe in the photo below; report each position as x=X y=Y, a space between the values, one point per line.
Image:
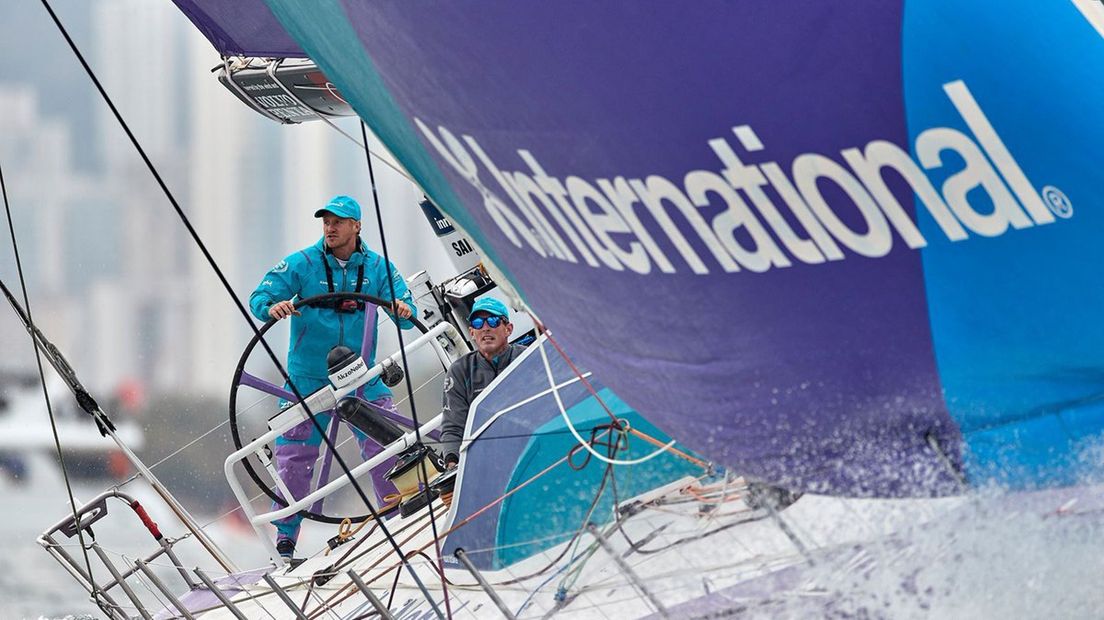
x=285 y=547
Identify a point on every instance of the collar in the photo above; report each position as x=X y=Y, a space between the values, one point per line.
x=358 y=257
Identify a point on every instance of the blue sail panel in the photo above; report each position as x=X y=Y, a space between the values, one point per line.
x=1015 y=313
x=519 y=449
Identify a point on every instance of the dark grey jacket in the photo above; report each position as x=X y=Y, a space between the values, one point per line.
x=466 y=379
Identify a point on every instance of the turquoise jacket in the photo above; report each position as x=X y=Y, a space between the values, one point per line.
x=317 y=330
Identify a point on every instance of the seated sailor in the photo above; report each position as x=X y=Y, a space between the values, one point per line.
x=490 y=328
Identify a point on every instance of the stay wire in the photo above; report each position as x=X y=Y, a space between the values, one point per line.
x=351 y=138
x=45 y=390
x=230 y=291
x=406 y=366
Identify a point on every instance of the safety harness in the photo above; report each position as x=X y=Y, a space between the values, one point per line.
x=345 y=306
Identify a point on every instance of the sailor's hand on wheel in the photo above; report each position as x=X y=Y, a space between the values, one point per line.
x=282 y=310
x=402 y=310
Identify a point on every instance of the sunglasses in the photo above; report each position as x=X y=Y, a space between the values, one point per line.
x=492 y=321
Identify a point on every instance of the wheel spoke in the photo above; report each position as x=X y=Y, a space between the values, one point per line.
x=268 y=388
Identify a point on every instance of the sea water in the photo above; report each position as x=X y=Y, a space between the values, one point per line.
x=995 y=555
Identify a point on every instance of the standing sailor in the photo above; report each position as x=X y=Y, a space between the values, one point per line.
x=490 y=328
x=339 y=262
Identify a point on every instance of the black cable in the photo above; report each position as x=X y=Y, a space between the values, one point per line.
x=747 y=519
x=46 y=394
x=230 y=291
x=394 y=586
x=611 y=446
x=406 y=367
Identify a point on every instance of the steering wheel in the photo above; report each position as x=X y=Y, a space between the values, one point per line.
x=243 y=378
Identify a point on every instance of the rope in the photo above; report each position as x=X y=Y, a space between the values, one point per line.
x=350 y=590
x=229 y=290
x=45 y=390
x=345 y=533
x=406 y=369
x=573 y=575
x=609 y=412
x=363 y=145
x=579 y=438
x=669 y=447
x=578 y=373
x=457 y=526
x=577 y=556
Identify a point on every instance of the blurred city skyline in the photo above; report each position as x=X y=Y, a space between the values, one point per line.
x=114 y=280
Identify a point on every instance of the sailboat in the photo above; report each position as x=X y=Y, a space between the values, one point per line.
x=842 y=251
x=25 y=431
x=843 y=191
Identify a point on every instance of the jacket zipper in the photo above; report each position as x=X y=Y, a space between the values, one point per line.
x=341 y=315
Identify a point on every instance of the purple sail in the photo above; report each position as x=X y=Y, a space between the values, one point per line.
x=841 y=248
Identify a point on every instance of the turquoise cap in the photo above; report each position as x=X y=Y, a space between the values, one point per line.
x=491 y=306
x=341 y=206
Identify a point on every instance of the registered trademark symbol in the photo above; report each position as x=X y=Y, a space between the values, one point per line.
x=1058 y=202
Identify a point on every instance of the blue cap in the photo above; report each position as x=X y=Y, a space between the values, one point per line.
x=491 y=306
x=341 y=206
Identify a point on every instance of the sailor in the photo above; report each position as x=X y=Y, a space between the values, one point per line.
x=339 y=262
x=490 y=329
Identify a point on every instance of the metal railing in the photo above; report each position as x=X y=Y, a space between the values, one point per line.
x=289 y=418
x=105 y=593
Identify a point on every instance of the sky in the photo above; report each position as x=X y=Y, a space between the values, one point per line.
x=119 y=285
x=114 y=281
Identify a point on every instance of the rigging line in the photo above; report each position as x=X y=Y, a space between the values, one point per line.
x=386 y=162
x=670 y=448
x=88 y=403
x=312 y=595
x=467 y=520
x=191 y=443
x=579 y=373
x=575 y=538
x=422 y=385
x=578 y=437
x=606 y=430
x=42 y=378
x=483 y=438
x=512 y=491
x=249 y=597
x=164 y=603
x=348 y=559
x=230 y=291
x=405 y=363
x=553 y=538
x=394 y=587
x=228 y=513
x=341 y=595
x=515 y=490
x=537 y=589
x=608 y=476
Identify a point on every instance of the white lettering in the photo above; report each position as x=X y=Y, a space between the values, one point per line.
x=808 y=170
x=930 y=146
x=730 y=214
